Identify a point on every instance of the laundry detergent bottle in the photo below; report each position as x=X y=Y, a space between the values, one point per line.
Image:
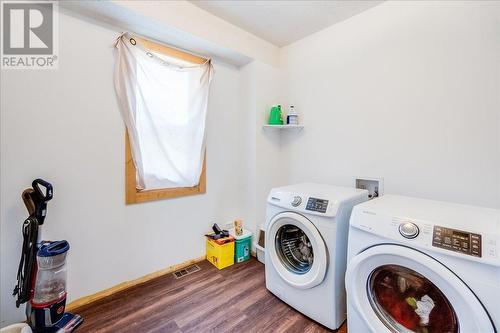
x=276 y=116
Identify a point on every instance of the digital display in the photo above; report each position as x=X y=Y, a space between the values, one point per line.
x=457 y=240
x=460 y=234
x=317 y=205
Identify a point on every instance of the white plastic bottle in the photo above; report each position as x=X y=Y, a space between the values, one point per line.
x=292 y=117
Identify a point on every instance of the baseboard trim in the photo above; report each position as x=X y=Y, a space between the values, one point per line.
x=74 y=305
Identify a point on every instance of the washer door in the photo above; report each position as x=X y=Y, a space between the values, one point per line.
x=397 y=289
x=297 y=250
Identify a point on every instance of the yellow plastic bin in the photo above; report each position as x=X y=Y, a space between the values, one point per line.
x=220 y=255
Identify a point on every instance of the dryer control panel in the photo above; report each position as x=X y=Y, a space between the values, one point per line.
x=317 y=205
x=457 y=240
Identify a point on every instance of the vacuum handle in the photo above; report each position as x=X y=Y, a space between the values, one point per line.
x=27 y=197
x=39 y=192
x=43 y=192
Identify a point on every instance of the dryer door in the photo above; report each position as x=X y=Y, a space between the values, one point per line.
x=398 y=289
x=297 y=250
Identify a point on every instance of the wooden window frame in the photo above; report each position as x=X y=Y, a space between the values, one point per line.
x=132 y=194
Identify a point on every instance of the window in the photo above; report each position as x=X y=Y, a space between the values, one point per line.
x=163 y=94
x=134 y=195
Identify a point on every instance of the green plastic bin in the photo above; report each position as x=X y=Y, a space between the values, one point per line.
x=242 y=245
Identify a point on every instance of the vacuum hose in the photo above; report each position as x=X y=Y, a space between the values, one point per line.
x=27 y=262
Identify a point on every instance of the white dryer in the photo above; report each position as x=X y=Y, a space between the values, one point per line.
x=424 y=266
x=306 y=248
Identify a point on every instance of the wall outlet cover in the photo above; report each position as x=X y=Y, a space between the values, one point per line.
x=375 y=186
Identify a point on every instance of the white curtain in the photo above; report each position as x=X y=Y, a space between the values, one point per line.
x=164 y=104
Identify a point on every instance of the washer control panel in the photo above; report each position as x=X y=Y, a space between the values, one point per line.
x=317 y=205
x=457 y=240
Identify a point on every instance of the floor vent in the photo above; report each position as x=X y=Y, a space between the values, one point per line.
x=186 y=271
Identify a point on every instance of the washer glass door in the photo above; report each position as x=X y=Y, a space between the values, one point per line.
x=297 y=250
x=294 y=249
x=393 y=288
x=405 y=300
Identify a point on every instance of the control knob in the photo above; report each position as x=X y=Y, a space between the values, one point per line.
x=408 y=230
x=296 y=201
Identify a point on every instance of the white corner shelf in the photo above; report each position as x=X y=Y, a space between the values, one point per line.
x=283 y=127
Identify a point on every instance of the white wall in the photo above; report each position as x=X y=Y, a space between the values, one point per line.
x=181 y=24
x=64 y=126
x=407 y=91
x=260 y=155
x=187 y=17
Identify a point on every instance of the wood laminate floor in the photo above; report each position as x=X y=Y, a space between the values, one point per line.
x=234 y=299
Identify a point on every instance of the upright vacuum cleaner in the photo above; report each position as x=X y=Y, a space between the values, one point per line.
x=41 y=277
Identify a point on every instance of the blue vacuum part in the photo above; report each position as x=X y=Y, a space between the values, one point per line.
x=68 y=323
x=53 y=248
x=41 y=319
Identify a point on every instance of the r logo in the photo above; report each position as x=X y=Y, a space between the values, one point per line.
x=28 y=28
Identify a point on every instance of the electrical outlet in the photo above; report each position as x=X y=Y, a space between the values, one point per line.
x=375 y=186
x=228 y=225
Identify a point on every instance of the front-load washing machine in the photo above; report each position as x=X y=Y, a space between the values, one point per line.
x=424 y=266
x=306 y=248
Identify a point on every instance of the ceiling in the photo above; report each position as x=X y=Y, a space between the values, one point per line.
x=284 y=22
